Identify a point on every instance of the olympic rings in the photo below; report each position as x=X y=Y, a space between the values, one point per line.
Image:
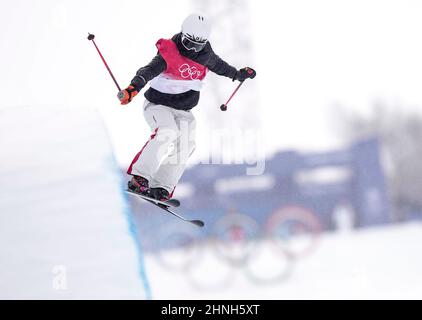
x=264 y=254
x=187 y=71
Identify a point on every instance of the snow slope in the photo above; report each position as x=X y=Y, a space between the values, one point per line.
x=374 y=263
x=65 y=228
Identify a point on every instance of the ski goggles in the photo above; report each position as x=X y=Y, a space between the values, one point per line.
x=191 y=44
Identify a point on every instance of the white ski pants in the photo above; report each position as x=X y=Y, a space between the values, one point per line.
x=163 y=158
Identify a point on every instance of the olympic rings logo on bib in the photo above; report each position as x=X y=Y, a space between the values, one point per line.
x=186 y=71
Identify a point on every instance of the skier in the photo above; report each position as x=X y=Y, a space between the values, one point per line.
x=176 y=74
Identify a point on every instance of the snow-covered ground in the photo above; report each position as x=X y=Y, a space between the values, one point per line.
x=64 y=222
x=375 y=263
x=65 y=232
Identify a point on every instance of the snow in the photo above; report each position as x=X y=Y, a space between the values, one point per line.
x=374 y=263
x=64 y=224
x=65 y=233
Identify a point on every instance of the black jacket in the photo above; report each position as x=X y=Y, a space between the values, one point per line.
x=189 y=99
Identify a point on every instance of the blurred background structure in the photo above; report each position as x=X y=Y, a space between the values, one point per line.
x=400 y=133
x=332 y=123
x=300 y=196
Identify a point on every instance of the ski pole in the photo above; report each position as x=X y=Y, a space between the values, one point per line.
x=91 y=38
x=223 y=107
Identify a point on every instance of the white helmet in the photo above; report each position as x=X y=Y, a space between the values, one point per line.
x=196 y=30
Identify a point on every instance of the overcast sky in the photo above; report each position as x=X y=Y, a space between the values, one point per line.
x=310 y=55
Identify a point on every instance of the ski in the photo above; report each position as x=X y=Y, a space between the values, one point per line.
x=163 y=205
x=169 y=203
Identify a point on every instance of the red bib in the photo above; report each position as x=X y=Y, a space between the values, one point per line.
x=178 y=66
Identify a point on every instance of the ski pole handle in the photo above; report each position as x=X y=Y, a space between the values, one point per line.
x=91 y=38
x=223 y=107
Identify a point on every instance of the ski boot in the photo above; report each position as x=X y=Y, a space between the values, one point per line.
x=159 y=194
x=139 y=185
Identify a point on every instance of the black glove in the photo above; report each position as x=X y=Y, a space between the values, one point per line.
x=244 y=73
